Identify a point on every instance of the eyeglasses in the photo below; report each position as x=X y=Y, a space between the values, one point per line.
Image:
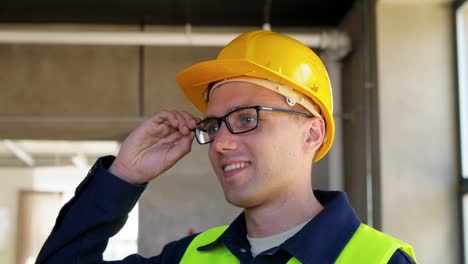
x=238 y=121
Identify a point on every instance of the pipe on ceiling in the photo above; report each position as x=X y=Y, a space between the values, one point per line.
x=325 y=40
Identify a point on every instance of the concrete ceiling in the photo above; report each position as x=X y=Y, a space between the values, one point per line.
x=178 y=12
x=406 y=2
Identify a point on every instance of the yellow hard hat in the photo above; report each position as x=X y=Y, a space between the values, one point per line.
x=266 y=55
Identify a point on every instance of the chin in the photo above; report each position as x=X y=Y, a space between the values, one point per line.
x=241 y=201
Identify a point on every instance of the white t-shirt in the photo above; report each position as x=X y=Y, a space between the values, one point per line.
x=258 y=245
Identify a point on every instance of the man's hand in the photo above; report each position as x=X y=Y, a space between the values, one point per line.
x=154 y=146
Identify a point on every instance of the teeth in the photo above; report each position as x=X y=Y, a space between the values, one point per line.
x=236 y=166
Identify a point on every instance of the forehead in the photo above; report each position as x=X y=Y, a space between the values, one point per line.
x=238 y=94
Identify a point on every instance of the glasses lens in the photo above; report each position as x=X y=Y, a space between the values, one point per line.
x=206 y=130
x=243 y=120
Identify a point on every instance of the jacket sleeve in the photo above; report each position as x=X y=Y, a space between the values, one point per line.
x=97 y=212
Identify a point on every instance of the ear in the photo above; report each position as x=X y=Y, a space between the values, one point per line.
x=316 y=134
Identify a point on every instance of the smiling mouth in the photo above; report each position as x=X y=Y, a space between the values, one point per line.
x=234 y=166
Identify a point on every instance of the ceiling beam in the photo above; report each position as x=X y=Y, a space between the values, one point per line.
x=19 y=152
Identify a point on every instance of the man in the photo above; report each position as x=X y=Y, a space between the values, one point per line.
x=268 y=106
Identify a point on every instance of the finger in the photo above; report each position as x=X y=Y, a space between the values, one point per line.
x=185 y=144
x=172 y=116
x=178 y=121
x=177 y=136
x=183 y=125
x=160 y=130
x=190 y=120
x=163 y=124
x=166 y=117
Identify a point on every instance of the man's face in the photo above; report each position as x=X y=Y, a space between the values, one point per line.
x=259 y=166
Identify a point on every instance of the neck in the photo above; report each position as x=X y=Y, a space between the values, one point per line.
x=283 y=213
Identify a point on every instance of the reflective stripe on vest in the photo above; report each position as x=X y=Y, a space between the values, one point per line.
x=367 y=246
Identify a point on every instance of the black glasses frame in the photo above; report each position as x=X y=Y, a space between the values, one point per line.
x=257 y=108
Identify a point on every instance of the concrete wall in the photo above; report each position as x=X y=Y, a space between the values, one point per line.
x=13 y=180
x=418 y=128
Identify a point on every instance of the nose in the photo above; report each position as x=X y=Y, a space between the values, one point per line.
x=224 y=140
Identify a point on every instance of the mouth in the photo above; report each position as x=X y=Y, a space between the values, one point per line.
x=235 y=166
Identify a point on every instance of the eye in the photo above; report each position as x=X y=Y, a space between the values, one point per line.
x=247 y=119
x=243 y=119
x=211 y=129
x=209 y=126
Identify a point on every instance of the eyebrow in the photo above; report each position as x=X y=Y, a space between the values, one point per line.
x=233 y=108
x=240 y=106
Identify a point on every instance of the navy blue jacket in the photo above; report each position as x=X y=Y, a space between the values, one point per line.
x=102 y=202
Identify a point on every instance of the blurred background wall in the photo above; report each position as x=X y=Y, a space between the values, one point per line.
x=417 y=124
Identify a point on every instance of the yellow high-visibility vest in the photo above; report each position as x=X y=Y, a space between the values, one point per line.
x=367 y=246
